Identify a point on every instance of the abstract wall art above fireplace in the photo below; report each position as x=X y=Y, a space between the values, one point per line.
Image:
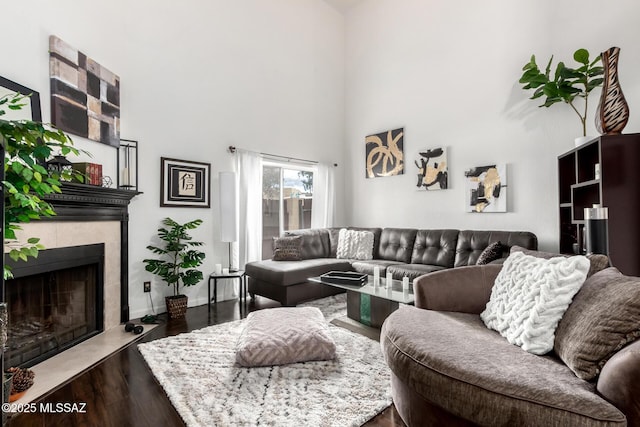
x=385 y=155
x=486 y=188
x=85 y=96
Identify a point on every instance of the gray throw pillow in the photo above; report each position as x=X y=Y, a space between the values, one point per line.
x=287 y=248
x=598 y=261
x=603 y=317
x=278 y=336
x=490 y=253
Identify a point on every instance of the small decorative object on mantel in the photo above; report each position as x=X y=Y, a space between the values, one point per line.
x=612 y=114
x=128 y=164
x=566 y=85
x=59 y=165
x=92 y=172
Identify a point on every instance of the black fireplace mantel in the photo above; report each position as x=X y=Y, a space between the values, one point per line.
x=82 y=202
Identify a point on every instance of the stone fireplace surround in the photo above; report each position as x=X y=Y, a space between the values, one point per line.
x=86 y=215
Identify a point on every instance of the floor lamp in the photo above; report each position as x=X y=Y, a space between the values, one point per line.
x=228 y=211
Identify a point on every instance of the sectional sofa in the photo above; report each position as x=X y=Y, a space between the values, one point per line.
x=401 y=251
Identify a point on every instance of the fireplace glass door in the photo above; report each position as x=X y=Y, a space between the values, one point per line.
x=51 y=311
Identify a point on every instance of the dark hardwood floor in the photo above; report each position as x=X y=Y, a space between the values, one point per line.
x=121 y=390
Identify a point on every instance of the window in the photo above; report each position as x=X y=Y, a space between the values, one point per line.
x=287 y=192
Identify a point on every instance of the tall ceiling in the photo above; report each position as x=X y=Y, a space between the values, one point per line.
x=342 y=5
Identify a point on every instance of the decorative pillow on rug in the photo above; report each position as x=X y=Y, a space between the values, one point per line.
x=603 y=317
x=277 y=336
x=490 y=253
x=529 y=297
x=355 y=244
x=598 y=261
x=287 y=248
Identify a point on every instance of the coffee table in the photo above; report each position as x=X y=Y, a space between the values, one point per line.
x=369 y=304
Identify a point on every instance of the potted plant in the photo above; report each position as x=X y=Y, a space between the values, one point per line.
x=27 y=146
x=177 y=262
x=566 y=84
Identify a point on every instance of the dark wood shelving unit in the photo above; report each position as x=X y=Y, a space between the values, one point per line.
x=617 y=188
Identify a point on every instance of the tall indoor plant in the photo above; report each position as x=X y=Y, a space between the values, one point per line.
x=28 y=144
x=566 y=84
x=177 y=263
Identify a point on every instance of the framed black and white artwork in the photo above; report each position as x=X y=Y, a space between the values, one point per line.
x=185 y=183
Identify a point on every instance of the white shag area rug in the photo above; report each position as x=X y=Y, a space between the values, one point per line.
x=198 y=372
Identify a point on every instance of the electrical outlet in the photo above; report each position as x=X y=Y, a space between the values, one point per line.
x=147 y=286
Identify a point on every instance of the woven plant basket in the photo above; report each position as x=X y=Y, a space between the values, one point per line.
x=176 y=306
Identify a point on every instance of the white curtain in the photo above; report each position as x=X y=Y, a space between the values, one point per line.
x=249 y=168
x=324 y=196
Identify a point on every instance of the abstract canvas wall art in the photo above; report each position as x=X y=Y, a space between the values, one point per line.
x=85 y=96
x=433 y=173
x=486 y=188
x=385 y=153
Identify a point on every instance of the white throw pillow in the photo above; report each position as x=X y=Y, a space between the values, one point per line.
x=355 y=244
x=529 y=297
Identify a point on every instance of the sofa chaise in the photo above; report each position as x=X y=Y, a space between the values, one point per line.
x=401 y=251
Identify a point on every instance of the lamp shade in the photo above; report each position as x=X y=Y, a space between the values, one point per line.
x=228 y=207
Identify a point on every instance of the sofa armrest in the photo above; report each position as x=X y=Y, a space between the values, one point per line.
x=462 y=289
x=619 y=382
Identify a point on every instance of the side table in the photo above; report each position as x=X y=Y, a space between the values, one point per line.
x=213 y=277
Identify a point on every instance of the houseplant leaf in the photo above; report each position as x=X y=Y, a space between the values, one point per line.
x=567 y=84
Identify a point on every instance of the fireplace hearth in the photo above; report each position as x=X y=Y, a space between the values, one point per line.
x=54 y=302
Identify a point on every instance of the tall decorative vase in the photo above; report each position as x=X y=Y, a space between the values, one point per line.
x=612 y=114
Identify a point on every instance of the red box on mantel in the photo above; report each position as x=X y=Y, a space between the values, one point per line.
x=91 y=171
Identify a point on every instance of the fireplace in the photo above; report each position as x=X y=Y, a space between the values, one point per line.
x=54 y=302
x=89 y=217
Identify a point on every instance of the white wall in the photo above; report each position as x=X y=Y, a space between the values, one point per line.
x=271 y=75
x=447 y=71
x=196 y=76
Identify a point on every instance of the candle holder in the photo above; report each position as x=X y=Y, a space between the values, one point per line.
x=128 y=165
